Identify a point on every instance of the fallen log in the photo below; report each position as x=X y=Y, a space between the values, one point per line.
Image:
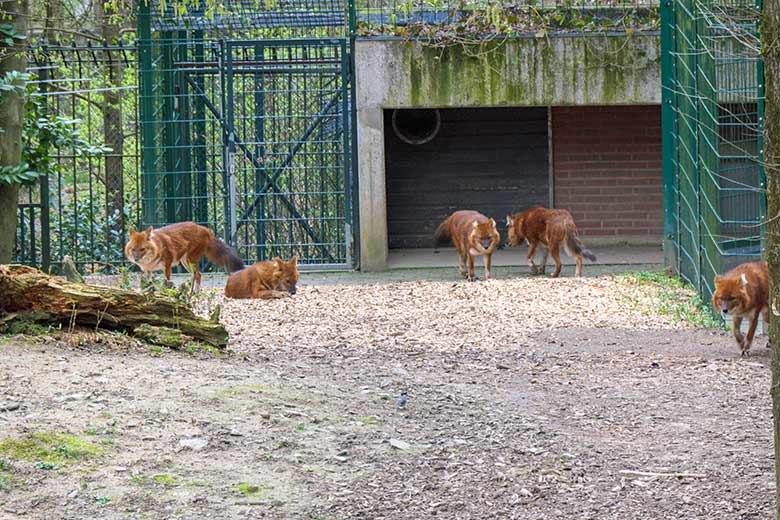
x=32 y=294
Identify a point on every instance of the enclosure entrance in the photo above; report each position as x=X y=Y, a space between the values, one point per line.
x=493 y=160
x=257 y=146
x=246 y=127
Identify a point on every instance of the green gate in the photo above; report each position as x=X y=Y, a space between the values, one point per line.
x=289 y=149
x=246 y=121
x=713 y=107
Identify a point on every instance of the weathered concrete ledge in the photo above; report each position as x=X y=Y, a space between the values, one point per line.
x=549 y=71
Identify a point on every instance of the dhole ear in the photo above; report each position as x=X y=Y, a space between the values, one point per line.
x=130 y=230
x=718 y=279
x=148 y=231
x=474 y=224
x=508 y=221
x=294 y=260
x=493 y=223
x=744 y=280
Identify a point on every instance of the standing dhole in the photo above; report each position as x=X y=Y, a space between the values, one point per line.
x=274 y=279
x=553 y=229
x=182 y=243
x=741 y=293
x=473 y=234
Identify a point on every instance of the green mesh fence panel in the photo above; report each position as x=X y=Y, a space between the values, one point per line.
x=83 y=209
x=715 y=200
x=246 y=125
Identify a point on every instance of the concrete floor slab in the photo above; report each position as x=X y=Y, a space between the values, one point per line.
x=516 y=256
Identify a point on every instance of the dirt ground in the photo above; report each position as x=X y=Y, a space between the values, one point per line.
x=528 y=398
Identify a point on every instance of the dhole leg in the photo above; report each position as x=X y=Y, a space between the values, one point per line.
x=556 y=254
x=168 y=282
x=196 y=277
x=736 y=326
x=579 y=266
x=531 y=255
x=543 y=265
x=192 y=268
x=462 y=263
x=470 y=275
x=488 y=258
x=750 y=334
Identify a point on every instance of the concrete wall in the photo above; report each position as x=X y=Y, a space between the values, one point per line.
x=585 y=70
x=608 y=171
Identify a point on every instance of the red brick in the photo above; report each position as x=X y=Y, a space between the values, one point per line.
x=607 y=168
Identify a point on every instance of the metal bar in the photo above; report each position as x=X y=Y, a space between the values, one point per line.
x=290 y=206
x=259 y=114
x=347 y=159
x=258 y=63
x=231 y=151
x=354 y=173
x=44 y=197
x=146 y=111
x=668 y=134
x=291 y=154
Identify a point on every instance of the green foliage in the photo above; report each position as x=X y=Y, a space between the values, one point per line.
x=250 y=490
x=102 y=500
x=9 y=36
x=48 y=449
x=165 y=480
x=675 y=298
x=25 y=326
x=83 y=225
x=478 y=23
x=41 y=132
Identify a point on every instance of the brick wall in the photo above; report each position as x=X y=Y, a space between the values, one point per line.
x=607 y=169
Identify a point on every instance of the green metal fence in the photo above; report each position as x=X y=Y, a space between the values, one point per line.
x=83 y=209
x=465 y=21
x=242 y=119
x=714 y=187
x=246 y=126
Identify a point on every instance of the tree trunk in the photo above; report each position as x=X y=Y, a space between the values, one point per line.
x=29 y=293
x=769 y=35
x=12 y=58
x=112 y=125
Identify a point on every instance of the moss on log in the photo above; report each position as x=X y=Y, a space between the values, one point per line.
x=165 y=336
x=26 y=290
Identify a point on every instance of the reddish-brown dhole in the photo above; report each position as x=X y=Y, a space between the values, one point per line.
x=182 y=243
x=473 y=234
x=742 y=293
x=273 y=279
x=552 y=229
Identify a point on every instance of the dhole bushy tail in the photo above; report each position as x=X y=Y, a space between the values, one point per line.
x=576 y=246
x=219 y=253
x=442 y=237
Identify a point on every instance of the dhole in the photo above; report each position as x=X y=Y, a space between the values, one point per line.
x=741 y=293
x=182 y=243
x=473 y=234
x=274 y=279
x=553 y=229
